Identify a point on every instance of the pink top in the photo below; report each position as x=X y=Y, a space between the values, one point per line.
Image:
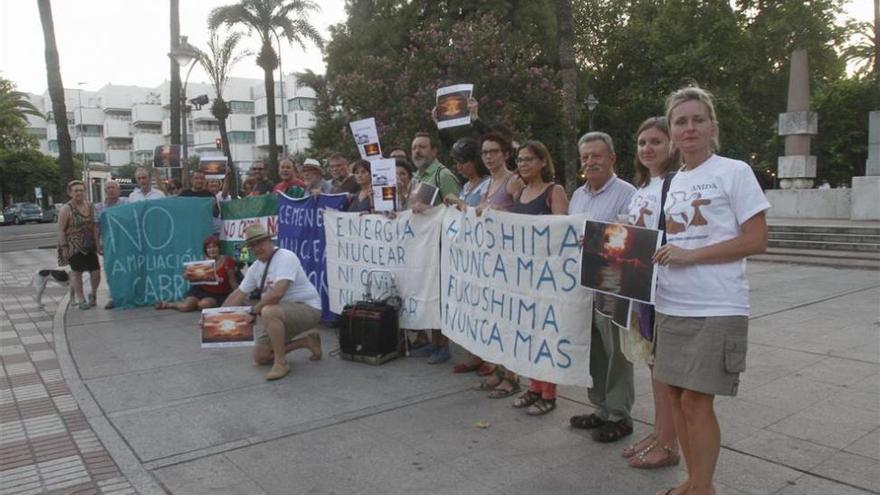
x=500 y=199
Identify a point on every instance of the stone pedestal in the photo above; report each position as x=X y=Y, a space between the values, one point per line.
x=797 y=169
x=866 y=198
x=809 y=203
x=872 y=166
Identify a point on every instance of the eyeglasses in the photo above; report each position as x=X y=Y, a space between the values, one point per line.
x=490 y=152
x=525 y=159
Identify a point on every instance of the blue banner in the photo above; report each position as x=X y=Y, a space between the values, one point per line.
x=301 y=230
x=146 y=244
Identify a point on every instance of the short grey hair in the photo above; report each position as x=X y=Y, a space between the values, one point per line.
x=597 y=136
x=140 y=170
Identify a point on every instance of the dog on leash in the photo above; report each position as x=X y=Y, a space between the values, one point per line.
x=43 y=277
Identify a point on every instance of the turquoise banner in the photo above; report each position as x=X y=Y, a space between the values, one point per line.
x=146 y=244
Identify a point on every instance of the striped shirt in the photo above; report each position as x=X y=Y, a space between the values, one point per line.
x=605 y=204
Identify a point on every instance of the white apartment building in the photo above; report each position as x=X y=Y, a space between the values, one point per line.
x=119 y=125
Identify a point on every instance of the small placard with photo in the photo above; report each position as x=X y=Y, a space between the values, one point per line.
x=200 y=272
x=227 y=327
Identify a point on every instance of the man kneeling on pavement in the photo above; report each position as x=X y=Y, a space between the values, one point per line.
x=289 y=304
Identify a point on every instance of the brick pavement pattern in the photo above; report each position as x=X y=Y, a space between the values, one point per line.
x=46 y=443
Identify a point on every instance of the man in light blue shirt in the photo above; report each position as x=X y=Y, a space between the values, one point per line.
x=603 y=198
x=145 y=189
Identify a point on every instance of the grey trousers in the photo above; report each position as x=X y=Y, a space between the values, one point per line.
x=613 y=391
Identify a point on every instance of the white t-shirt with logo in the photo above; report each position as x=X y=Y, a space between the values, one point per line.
x=285 y=265
x=706 y=206
x=644 y=208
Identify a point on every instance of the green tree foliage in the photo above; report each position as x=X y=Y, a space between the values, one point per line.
x=14 y=109
x=25 y=168
x=391 y=71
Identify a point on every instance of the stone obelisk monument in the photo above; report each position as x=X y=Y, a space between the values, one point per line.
x=866 y=189
x=797 y=169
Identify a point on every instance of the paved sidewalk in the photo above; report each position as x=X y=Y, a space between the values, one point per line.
x=46 y=444
x=180 y=419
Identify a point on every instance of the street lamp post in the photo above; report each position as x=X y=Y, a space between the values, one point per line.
x=185 y=54
x=592 y=102
x=82 y=153
x=283 y=100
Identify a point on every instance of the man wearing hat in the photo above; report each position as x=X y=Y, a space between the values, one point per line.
x=313 y=175
x=289 y=304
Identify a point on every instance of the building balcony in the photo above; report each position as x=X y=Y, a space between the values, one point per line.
x=261 y=137
x=147 y=142
x=205 y=138
x=117 y=158
x=300 y=119
x=117 y=129
x=147 y=114
x=203 y=114
x=90 y=116
x=239 y=122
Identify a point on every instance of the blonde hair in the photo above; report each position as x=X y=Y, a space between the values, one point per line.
x=694 y=93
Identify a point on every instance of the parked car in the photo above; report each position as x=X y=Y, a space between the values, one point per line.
x=2 y=218
x=20 y=213
x=50 y=215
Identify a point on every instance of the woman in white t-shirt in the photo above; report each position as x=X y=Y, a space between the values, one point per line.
x=714 y=220
x=653 y=163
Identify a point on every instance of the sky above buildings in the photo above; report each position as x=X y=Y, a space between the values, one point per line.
x=126 y=41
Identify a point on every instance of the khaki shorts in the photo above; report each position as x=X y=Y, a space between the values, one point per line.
x=704 y=354
x=298 y=318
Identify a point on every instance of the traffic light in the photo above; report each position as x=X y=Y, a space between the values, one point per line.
x=219 y=143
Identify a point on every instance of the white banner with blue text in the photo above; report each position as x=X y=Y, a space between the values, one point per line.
x=511 y=292
x=408 y=246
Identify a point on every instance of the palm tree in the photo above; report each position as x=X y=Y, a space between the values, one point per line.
x=268 y=18
x=14 y=109
x=56 y=93
x=218 y=62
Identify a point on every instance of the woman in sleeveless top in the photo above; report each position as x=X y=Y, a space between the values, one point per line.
x=79 y=243
x=541 y=196
x=361 y=201
x=466 y=154
x=503 y=184
x=653 y=162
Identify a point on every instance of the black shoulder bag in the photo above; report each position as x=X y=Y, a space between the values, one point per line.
x=257 y=294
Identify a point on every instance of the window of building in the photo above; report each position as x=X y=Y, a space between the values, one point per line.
x=240 y=137
x=53 y=146
x=262 y=121
x=302 y=103
x=246 y=107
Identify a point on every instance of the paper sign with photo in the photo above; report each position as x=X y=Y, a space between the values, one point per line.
x=452 y=105
x=166 y=156
x=424 y=193
x=384 y=174
x=200 y=272
x=214 y=167
x=616 y=260
x=231 y=326
x=366 y=137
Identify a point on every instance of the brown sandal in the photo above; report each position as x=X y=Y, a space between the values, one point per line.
x=639 y=446
x=541 y=407
x=526 y=399
x=670 y=457
x=503 y=393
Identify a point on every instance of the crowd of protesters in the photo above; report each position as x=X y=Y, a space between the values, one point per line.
x=694 y=340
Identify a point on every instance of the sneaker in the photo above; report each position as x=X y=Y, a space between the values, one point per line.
x=84 y=305
x=423 y=351
x=441 y=355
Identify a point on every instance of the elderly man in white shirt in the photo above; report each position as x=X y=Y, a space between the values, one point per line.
x=603 y=198
x=145 y=189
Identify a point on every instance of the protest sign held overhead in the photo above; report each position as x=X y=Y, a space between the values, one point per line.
x=384 y=176
x=238 y=214
x=146 y=245
x=510 y=292
x=214 y=167
x=617 y=260
x=452 y=105
x=301 y=230
x=167 y=156
x=366 y=137
x=407 y=246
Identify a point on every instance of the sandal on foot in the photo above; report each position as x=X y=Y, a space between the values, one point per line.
x=526 y=399
x=503 y=393
x=639 y=446
x=466 y=368
x=163 y=305
x=670 y=457
x=93 y=300
x=612 y=431
x=83 y=305
x=315 y=346
x=541 y=407
x=489 y=383
x=587 y=421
